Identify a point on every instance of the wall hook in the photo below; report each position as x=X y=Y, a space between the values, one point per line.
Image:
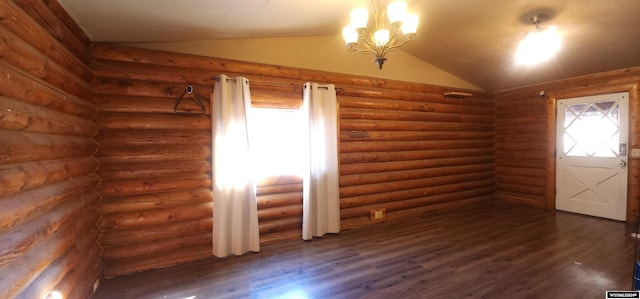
x=189 y=90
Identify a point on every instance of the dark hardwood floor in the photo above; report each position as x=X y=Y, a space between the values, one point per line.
x=489 y=250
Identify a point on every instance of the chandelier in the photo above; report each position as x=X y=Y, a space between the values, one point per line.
x=539 y=45
x=388 y=33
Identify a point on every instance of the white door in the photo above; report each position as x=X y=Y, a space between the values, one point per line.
x=591 y=161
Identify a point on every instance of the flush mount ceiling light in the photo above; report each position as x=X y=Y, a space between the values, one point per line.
x=388 y=33
x=539 y=45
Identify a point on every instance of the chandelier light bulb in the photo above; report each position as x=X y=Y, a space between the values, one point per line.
x=359 y=18
x=396 y=10
x=350 y=36
x=410 y=25
x=381 y=37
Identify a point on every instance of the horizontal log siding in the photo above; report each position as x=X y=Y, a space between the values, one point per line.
x=155 y=169
x=521 y=149
x=525 y=136
x=48 y=180
x=403 y=146
x=408 y=151
x=280 y=209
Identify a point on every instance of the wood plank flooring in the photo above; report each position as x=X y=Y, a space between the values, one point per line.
x=487 y=250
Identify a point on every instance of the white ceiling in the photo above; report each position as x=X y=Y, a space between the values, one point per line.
x=472 y=39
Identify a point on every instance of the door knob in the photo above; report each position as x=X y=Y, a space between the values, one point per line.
x=623 y=164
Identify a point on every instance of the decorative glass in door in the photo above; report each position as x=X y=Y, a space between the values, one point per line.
x=592 y=129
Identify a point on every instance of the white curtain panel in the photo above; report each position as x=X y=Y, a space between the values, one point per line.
x=235 y=210
x=321 y=200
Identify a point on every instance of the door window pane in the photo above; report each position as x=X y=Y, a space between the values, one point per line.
x=592 y=130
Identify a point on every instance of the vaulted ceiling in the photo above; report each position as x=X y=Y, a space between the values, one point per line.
x=472 y=39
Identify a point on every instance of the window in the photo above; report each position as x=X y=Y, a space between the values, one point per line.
x=592 y=129
x=276 y=141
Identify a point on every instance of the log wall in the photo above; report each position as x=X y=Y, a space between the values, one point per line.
x=65 y=152
x=404 y=147
x=410 y=151
x=525 y=136
x=48 y=197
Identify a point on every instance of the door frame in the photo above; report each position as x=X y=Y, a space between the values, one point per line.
x=633 y=192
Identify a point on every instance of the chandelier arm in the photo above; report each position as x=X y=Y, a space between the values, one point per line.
x=393 y=36
x=367 y=42
x=364 y=48
x=367 y=51
x=372 y=48
x=402 y=43
x=384 y=53
x=398 y=35
x=392 y=48
x=391 y=44
x=377 y=16
x=388 y=49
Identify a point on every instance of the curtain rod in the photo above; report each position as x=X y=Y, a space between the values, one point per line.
x=274 y=84
x=323 y=87
x=258 y=83
x=228 y=79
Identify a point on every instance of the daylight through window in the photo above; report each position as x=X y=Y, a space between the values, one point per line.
x=277 y=142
